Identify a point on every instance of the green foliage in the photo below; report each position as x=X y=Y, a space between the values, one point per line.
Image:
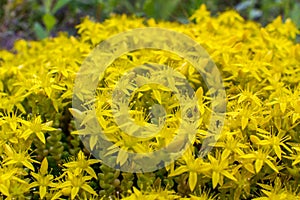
x=160 y=9
x=41 y=19
x=49 y=20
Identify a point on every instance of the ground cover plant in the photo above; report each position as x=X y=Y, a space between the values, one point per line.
x=257 y=155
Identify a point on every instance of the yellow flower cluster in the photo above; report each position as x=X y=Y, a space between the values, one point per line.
x=257 y=154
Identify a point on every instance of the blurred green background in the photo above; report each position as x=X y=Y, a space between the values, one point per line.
x=37 y=19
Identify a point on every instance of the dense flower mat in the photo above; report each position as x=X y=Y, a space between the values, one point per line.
x=256 y=156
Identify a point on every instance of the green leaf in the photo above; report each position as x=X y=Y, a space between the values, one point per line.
x=295 y=14
x=59 y=4
x=39 y=31
x=47 y=5
x=49 y=20
x=160 y=9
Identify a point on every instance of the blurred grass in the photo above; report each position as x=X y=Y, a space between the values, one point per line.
x=37 y=19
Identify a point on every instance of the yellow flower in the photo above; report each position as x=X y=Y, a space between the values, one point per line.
x=43 y=179
x=17 y=158
x=82 y=164
x=36 y=126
